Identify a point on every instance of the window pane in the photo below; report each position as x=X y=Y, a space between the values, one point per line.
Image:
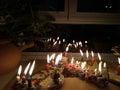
x=98 y=6
x=49 y=5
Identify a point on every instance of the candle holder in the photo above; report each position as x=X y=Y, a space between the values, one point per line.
x=29 y=83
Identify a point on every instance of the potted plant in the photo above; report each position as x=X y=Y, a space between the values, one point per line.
x=20 y=28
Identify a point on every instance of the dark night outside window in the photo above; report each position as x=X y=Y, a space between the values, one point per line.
x=110 y=6
x=49 y=5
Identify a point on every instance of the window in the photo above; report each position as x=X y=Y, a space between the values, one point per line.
x=97 y=6
x=82 y=11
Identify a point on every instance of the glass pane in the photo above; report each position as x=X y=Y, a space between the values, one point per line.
x=111 y=6
x=49 y=5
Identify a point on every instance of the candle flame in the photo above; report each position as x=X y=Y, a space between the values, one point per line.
x=83 y=64
x=50 y=39
x=20 y=70
x=118 y=60
x=48 y=59
x=104 y=64
x=80 y=43
x=53 y=40
x=67 y=48
x=99 y=56
x=63 y=40
x=52 y=57
x=59 y=42
x=75 y=45
x=32 y=67
x=77 y=62
x=81 y=52
x=85 y=41
x=95 y=70
x=72 y=60
x=92 y=53
x=58 y=58
x=26 y=69
x=100 y=66
x=57 y=38
x=54 y=43
x=73 y=41
x=87 y=54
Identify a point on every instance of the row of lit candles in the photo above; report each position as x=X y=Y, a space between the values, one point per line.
x=23 y=78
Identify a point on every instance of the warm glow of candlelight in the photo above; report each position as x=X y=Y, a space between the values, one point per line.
x=92 y=53
x=87 y=54
x=83 y=64
x=99 y=56
x=85 y=41
x=80 y=43
x=63 y=40
x=118 y=60
x=73 y=41
x=77 y=62
x=100 y=66
x=67 y=48
x=50 y=39
x=75 y=45
x=54 y=43
x=58 y=58
x=26 y=69
x=53 y=40
x=48 y=59
x=81 y=52
x=69 y=44
x=32 y=67
x=72 y=60
x=104 y=64
x=52 y=57
x=59 y=42
x=20 y=70
x=95 y=70
x=57 y=38
x=60 y=55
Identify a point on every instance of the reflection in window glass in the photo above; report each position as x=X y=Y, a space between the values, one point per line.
x=49 y=5
x=98 y=6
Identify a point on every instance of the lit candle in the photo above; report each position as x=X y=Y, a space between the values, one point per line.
x=80 y=43
x=58 y=58
x=83 y=64
x=48 y=64
x=57 y=38
x=63 y=40
x=66 y=50
x=87 y=54
x=92 y=58
x=95 y=71
x=82 y=58
x=100 y=67
x=51 y=59
x=25 y=72
x=72 y=60
x=30 y=74
x=118 y=68
x=19 y=73
x=86 y=43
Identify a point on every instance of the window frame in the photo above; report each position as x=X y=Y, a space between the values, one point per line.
x=71 y=16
